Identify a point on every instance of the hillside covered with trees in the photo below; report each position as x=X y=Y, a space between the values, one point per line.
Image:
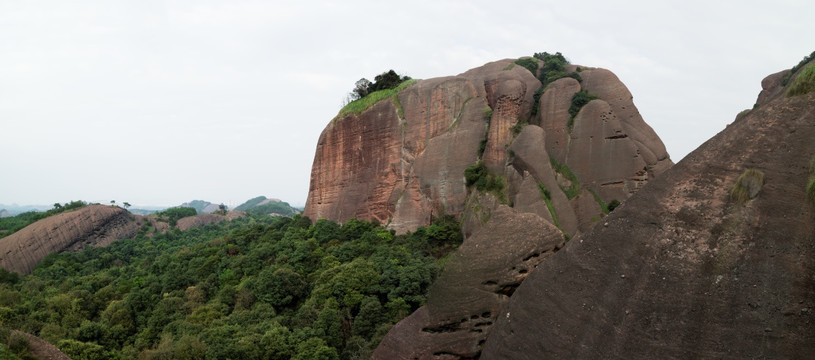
x=254 y=288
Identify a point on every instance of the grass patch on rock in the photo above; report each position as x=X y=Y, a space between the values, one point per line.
x=804 y=83
x=356 y=107
x=747 y=186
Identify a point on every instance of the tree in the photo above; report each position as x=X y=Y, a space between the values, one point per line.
x=126 y=204
x=386 y=80
x=57 y=206
x=360 y=89
x=222 y=209
x=113 y=202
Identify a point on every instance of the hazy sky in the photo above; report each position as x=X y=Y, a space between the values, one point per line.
x=162 y=102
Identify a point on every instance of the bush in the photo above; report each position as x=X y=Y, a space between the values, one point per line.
x=172 y=215
x=613 y=204
x=547 y=198
x=479 y=176
x=795 y=68
x=386 y=80
x=487 y=114
x=574 y=187
x=530 y=64
x=804 y=83
x=554 y=67
x=579 y=99
x=747 y=186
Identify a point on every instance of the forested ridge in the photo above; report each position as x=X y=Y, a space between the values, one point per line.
x=256 y=287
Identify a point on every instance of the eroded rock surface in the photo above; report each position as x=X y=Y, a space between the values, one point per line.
x=403 y=160
x=92 y=225
x=468 y=296
x=682 y=271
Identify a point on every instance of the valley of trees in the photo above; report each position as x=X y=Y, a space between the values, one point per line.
x=257 y=287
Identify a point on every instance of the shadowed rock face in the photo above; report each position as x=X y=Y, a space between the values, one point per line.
x=402 y=161
x=477 y=281
x=92 y=225
x=682 y=271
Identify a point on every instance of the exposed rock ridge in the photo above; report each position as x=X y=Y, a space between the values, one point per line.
x=682 y=271
x=92 y=225
x=403 y=160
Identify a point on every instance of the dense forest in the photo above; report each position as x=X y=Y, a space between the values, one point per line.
x=257 y=287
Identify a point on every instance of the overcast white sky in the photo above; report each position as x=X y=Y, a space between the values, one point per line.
x=162 y=102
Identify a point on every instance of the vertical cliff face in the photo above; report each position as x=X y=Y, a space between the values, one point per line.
x=714 y=259
x=402 y=161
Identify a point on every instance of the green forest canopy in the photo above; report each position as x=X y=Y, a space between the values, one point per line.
x=254 y=288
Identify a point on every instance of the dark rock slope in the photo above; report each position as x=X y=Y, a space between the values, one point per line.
x=683 y=269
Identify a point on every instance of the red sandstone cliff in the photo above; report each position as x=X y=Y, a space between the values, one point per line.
x=402 y=162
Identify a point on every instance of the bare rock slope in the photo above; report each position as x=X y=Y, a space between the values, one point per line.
x=92 y=225
x=402 y=161
x=685 y=269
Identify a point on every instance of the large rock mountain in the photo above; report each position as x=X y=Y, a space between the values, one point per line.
x=540 y=168
x=402 y=161
x=714 y=259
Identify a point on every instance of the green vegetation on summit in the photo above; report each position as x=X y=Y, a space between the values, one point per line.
x=365 y=93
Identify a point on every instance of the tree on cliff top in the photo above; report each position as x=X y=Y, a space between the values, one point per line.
x=386 y=80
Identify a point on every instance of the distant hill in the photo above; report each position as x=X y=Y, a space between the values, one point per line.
x=264 y=205
x=4 y=213
x=203 y=207
x=14 y=209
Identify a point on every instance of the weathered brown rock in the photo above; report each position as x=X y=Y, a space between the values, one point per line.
x=92 y=225
x=477 y=281
x=553 y=116
x=530 y=155
x=402 y=161
x=680 y=270
x=402 y=170
x=603 y=156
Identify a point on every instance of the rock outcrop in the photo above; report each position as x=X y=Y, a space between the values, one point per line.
x=557 y=174
x=92 y=225
x=402 y=161
x=476 y=283
x=683 y=269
